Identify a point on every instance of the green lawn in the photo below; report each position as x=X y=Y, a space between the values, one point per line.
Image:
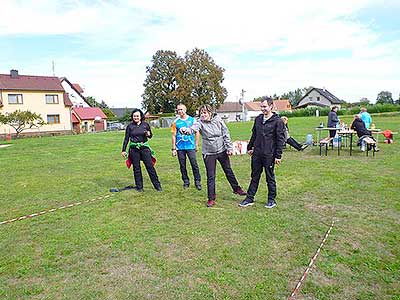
x=170 y=246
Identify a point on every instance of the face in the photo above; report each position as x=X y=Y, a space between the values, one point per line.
x=136 y=117
x=181 y=110
x=205 y=115
x=265 y=108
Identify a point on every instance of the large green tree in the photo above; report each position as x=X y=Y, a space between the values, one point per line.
x=295 y=96
x=384 y=97
x=21 y=120
x=193 y=80
x=163 y=79
x=202 y=81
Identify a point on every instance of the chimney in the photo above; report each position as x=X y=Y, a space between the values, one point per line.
x=14 y=73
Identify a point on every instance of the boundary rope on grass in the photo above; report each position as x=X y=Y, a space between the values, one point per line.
x=303 y=277
x=54 y=209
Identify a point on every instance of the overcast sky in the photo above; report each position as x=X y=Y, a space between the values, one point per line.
x=352 y=48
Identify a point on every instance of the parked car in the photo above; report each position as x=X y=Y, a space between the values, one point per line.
x=115 y=126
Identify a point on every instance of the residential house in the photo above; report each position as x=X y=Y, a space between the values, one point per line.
x=316 y=97
x=252 y=109
x=120 y=112
x=43 y=95
x=88 y=119
x=74 y=92
x=231 y=111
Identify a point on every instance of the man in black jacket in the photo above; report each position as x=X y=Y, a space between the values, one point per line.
x=265 y=148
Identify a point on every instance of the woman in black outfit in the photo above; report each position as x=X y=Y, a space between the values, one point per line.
x=137 y=134
x=333 y=120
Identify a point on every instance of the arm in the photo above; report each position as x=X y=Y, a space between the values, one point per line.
x=280 y=141
x=226 y=137
x=173 y=131
x=148 y=132
x=250 y=145
x=125 y=143
x=197 y=139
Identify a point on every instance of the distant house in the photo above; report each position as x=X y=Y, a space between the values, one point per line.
x=88 y=119
x=120 y=112
x=43 y=95
x=252 y=109
x=319 y=98
x=230 y=111
x=74 y=92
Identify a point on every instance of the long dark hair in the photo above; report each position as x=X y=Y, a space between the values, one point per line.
x=141 y=114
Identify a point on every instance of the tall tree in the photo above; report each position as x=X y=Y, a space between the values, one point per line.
x=384 y=97
x=202 y=81
x=162 y=82
x=21 y=120
x=295 y=96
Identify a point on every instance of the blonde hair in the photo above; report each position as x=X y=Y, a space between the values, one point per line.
x=284 y=118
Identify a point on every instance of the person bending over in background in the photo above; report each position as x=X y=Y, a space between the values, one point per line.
x=291 y=141
x=362 y=132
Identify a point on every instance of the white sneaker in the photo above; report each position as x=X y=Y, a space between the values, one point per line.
x=362 y=148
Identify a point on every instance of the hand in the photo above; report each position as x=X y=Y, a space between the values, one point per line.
x=278 y=161
x=229 y=152
x=250 y=152
x=183 y=130
x=147 y=133
x=124 y=154
x=173 y=152
x=196 y=148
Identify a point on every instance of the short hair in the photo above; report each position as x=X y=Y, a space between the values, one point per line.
x=363 y=109
x=207 y=108
x=181 y=104
x=269 y=100
x=141 y=114
x=333 y=107
x=284 y=118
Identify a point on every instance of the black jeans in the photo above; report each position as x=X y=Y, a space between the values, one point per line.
x=295 y=144
x=191 y=154
x=143 y=154
x=257 y=165
x=211 y=163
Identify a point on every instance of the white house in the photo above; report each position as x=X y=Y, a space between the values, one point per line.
x=74 y=91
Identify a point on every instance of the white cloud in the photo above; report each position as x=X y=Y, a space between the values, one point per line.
x=304 y=43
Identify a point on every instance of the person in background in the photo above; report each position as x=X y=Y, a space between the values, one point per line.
x=265 y=147
x=362 y=132
x=185 y=146
x=136 y=138
x=365 y=117
x=333 y=121
x=291 y=141
x=216 y=146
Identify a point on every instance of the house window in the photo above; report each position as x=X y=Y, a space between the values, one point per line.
x=15 y=99
x=318 y=99
x=53 y=119
x=51 y=99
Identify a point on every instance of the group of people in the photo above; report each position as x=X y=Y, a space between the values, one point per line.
x=265 y=148
x=361 y=125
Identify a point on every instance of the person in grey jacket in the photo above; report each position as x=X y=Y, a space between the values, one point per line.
x=217 y=145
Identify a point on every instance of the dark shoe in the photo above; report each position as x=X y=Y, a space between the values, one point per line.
x=270 y=204
x=210 y=203
x=246 y=202
x=303 y=147
x=240 y=192
x=198 y=186
x=186 y=186
x=140 y=190
x=159 y=189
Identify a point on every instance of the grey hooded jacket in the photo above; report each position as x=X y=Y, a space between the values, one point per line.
x=215 y=135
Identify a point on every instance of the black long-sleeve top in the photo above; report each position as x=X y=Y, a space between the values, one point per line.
x=136 y=133
x=267 y=137
x=359 y=126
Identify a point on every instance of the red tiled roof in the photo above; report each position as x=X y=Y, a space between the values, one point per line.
x=230 y=107
x=282 y=105
x=89 y=113
x=78 y=87
x=74 y=118
x=252 y=106
x=30 y=83
x=67 y=101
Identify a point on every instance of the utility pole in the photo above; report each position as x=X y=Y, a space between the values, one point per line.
x=241 y=101
x=52 y=63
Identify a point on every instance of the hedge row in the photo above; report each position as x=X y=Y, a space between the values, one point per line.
x=310 y=111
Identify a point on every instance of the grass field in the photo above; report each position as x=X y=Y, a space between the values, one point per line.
x=170 y=246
